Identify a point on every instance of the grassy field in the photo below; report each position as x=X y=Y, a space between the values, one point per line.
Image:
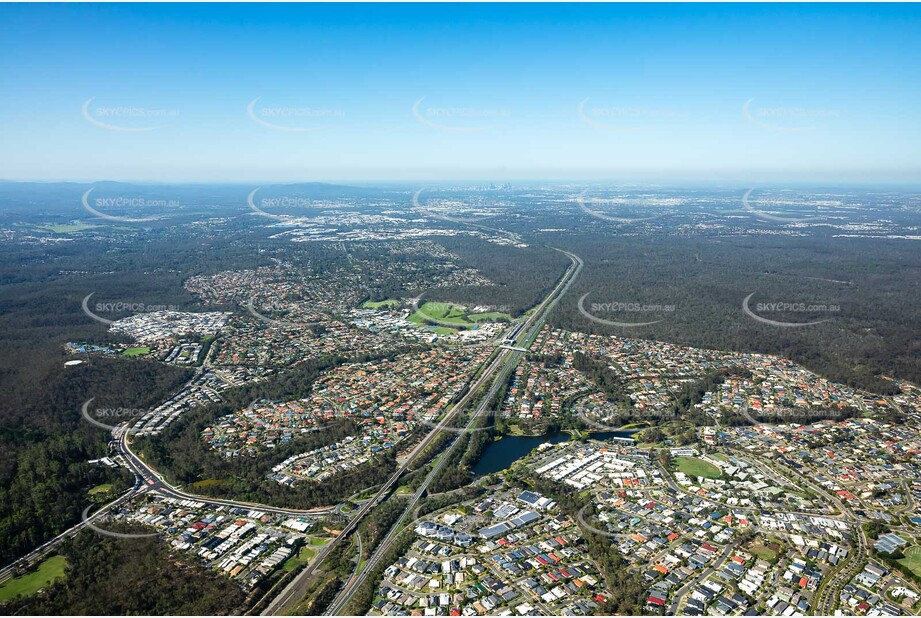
x=65 y=228
x=444 y=313
x=390 y=303
x=692 y=466
x=30 y=583
x=762 y=551
x=205 y=483
x=303 y=557
x=421 y=320
x=912 y=560
x=139 y=351
x=442 y=330
x=101 y=489
x=448 y=315
x=317 y=541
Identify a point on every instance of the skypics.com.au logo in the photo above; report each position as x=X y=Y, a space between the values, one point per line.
x=761 y=213
x=786 y=119
x=289 y=119
x=284 y=201
x=129 y=119
x=620 y=308
x=99 y=206
x=118 y=307
x=468 y=211
x=90 y=522
x=456 y=119
x=620 y=118
x=109 y=418
x=621 y=209
x=787 y=307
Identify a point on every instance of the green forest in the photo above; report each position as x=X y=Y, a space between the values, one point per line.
x=108 y=576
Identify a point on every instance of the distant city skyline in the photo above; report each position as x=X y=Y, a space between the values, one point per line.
x=413 y=93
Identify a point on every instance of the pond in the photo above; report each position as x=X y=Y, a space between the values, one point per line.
x=501 y=454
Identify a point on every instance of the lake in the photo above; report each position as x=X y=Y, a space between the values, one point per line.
x=500 y=455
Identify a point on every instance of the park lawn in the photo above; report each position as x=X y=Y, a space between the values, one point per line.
x=450 y=317
x=912 y=560
x=762 y=551
x=692 y=466
x=390 y=303
x=421 y=320
x=26 y=585
x=139 y=351
x=443 y=313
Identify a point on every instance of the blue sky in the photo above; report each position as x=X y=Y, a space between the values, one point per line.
x=425 y=92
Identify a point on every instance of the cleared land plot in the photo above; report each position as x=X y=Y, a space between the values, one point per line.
x=101 y=489
x=139 y=351
x=26 y=585
x=912 y=560
x=692 y=466
x=65 y=228
x=390 y=303
x=303 y=556
x=205 y=483
x=762 y=551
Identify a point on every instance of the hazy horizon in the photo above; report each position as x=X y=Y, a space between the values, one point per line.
x=177 y=93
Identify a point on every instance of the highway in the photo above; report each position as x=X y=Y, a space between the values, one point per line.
x=506 y=360
x=146 y=480
x=300 y=583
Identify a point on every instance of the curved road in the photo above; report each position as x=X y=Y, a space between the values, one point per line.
x=148 y=479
